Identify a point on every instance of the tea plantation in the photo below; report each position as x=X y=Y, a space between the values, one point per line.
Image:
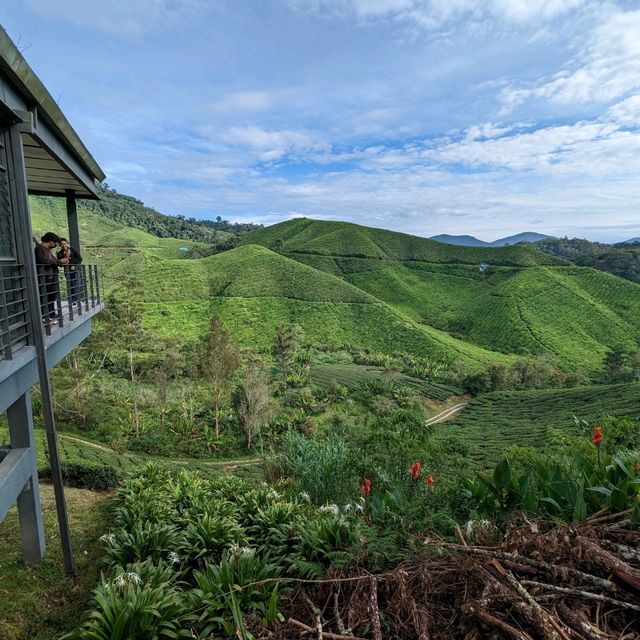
x=495 y=421
x=351 y=375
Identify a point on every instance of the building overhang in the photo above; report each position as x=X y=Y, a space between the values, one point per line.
x=56 y=159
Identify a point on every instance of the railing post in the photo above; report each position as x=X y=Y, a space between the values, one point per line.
x=43 y=298
x=71 y=291
x=85 y=288
x=58 y=298
x=93 y=299
x=97 y=284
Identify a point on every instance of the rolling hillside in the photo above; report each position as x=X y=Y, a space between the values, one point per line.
x=303 y=236
x=254 y=289
x=369 y=288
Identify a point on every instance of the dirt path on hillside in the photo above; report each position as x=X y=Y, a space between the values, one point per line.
x=446 y=414
x=242 y=462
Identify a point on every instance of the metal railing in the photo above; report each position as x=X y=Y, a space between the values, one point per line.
x=66 y=293
x=15 y=330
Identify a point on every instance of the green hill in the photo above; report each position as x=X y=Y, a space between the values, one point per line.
x=344 y=239
x=254 y=289
x=570 y=313
x=363 y=287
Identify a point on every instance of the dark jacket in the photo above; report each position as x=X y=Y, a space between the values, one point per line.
x=46 y=259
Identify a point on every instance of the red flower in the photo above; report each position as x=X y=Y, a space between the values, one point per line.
x=429 y=481
x=414 y=470
x=597 y=436
x=366 y=487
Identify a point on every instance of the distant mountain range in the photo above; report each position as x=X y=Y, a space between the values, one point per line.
x=470 y=241
x=629 y=241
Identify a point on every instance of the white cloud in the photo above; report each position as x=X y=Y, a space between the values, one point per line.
x=607 y=68
x=244 y=101
x=272 y=145
x=431 y=14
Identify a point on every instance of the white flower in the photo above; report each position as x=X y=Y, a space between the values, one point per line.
x=468 y=528
x=330 y=508
x=273 y=494
x=120 y=581
x=174 y=558
x=108 y=538
x=305 y=496
x=264 y=484
x=360 y=508
x=347 y=507
x=134 y=578
x=247 y=551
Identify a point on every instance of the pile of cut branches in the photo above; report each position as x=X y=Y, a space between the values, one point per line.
x=558 y=583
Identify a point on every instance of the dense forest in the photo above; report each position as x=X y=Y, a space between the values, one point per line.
x=622 y=260
x=134 y=213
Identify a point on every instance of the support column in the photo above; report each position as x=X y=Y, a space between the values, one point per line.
x=21 y=434
x=20 y=203
x=72 y=220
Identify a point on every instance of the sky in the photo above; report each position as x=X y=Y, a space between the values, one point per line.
x=482 y=117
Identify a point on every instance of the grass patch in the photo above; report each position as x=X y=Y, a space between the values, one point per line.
x=39 y=602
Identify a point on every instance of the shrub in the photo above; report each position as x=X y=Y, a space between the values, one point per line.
x=320 y=467
x=83 y=475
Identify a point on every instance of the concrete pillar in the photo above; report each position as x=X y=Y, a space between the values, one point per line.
x=21 y=433
x=72 y=220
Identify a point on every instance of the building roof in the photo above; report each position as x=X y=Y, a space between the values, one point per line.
x=47 y=133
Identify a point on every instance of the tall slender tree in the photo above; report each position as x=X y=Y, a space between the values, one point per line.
x=125 y=315
x=219 y=360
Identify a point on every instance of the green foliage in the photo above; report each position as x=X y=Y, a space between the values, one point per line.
x=320 y=467
x=139 y=602
x=243 y=583
x=620 y=260
x=84 y=475
x=565 y=489
x=351 y=375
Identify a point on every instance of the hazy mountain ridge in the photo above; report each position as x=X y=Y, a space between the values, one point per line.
x=472 y=241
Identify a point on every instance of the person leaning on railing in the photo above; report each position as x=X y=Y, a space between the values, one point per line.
x=47 y=265
x=72 y=271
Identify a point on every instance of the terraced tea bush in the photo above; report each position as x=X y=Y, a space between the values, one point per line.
x=496 y=421
x=352 y=375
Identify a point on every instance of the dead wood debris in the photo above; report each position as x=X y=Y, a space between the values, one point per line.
x=560 y=583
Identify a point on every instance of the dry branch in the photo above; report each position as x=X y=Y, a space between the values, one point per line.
x=325 y=634
x=594 y=552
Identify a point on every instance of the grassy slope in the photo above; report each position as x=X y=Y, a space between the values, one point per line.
x=39 y=602
x=572 y=313
x=495 y=421
x=387 y=291
x=345 y=239
x=254 y=289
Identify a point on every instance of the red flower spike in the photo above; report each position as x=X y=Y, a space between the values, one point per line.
x=415 y=470
x=429 y=481
x=366 y=487
x=597 y=436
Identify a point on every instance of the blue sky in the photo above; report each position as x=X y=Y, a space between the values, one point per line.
x=486 y=117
